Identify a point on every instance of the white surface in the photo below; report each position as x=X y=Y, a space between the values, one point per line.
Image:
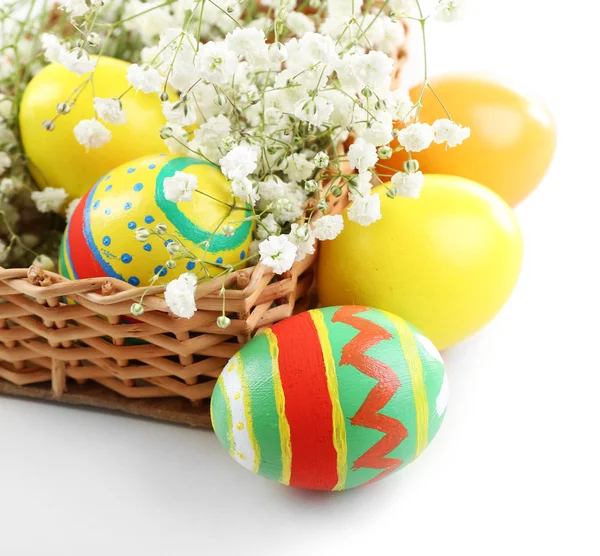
x=514 y=469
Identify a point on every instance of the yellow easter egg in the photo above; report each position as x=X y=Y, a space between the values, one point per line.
x=100 y=239
x=56 y=158
x=446 y=262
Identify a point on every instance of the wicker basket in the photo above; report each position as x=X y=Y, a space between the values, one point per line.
x=159 y=366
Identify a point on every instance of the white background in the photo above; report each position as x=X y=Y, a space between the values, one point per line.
x=514 y=469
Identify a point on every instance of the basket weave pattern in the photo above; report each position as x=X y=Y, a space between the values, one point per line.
x=93 y=352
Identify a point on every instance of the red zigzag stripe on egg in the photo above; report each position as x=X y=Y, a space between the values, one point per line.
x=370 y=334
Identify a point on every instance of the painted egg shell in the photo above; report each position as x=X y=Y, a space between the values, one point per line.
x=331 y=399
x=100 y=237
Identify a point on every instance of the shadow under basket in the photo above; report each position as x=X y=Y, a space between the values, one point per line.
x=95 y=353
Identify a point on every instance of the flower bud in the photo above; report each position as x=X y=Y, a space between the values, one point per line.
x=220 y=100
x=336 y=191
x=166 y=132
x=395 y=132
x=223 y=321
x=228 y=142
x=170 y=264
x=302 y=232
x=315 y=4
x=228 y=230
x=137 y=309
x=142 y=234
x=160 y=228
x=385 y=152
x=391 y=193
x=321 y=160
x=411 y=166
x=164 y=96
x=311 y=186
x=93 y=39
x=367 y=92
x=322 y=205
x=44 y=261
x=173 y=248
x=63 y=108
x=48 y=125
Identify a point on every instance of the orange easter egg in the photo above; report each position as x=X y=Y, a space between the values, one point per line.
x=513 y=135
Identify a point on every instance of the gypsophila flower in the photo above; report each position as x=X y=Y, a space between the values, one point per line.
x=449 y=10
x=77 y=61
x=137 y=309
x=217 y=64
x=179 y=296
x=145 y=79
x=223 y=321
x=74 y=8
x=408 y=185
x=91 y=134
x=416 y=137
x=299 y=24
x=304 y=239
x=71 y=208
x=239 y=163
x=365 y=210
x=362 y=155
x=249 y=43
x=315 y=111
x=449 y=132
x=298 y=167
x=5 y=162
x=328 y=227
x=245 y=190
x=110 y=110
x=180 y=187
x=52 y=47
x=3 y=251
x=268 y=226
x=179 y=113
x=10 y=186
x=360 y=186
x=278 y=253
x=50 y=199
x=271 y=188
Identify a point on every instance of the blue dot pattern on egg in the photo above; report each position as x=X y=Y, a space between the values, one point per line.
x=103 y=238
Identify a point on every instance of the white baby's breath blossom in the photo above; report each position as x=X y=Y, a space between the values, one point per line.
x=145 y=79
x=71 y=208
x=416 y=137
x=278 y=253
x=245 y=190
x=76 y=61
x=379 y=131
x=176 y=138
x=179 y=295
x=110 y=110
x=365 y=210
x=449 y=10
x=328 y=227
x=10 y=187
x=45 y=262
x=91 y=134
x=5 y=162
x=250 y=44
x=303 y=238
x=362 y=155
x=268 y=226
x=315 y=111
x=408 y=185
x=217 y=63
x=74 y=8
x=271 y=188
x=52 y=47
x=449 y=132
x=298 y=167
x=360 y=186
x=180 y=187
x=50 y=199
x=3 y=251
x=239 y=162
x=179 y=113
x=299 y=24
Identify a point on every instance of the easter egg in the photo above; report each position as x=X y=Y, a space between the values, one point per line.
x=56 y=157
x=513 y=135
x=331 y=399
x=447 y=262
x=100 y=236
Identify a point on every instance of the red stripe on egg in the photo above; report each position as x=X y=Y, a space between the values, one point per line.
x=308 y=407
